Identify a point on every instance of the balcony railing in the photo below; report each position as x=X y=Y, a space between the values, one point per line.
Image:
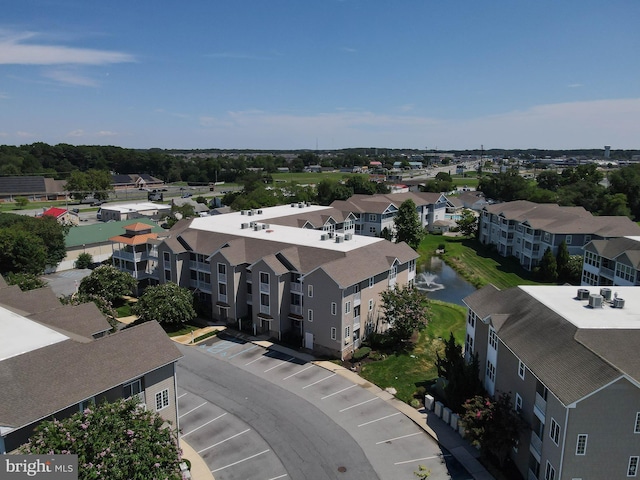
x=296 y=309
x=204 y=267
x=222 y=277
x=531 y=476
x=606 y=272
x=356 y=299
x=222 y=298
x=265 y=309
x=131 y=256
x=296 y=287
x=264 y=287
x=202 y=286
x=540 y=407
x=536 y=443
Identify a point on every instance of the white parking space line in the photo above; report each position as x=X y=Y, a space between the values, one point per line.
x=299 y=371
x=256 y=359
x=358 y=404
x=420 y=459
x=243 y=351
x=192 y=410
x=379 y=419
x=222 y=441
x=182 y=395
x=204 y=424
x=321 y=380
x=398 y=438
x=281 y=476
x=339 y=391
x=240 y=461
x=280 y=364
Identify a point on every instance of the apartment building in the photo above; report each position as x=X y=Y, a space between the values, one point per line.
x=280 y=274
x=374 y=213
x=612 y=262
x=56 y=360
x=525 y=230
x=568 y=357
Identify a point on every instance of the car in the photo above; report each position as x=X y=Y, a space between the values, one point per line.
x=75 y=210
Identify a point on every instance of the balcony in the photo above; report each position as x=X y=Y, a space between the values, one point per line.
x=540 y=407
x=222 y=277
x=531 y=476
x=264 y=287
x=606 y=272
x=296 y=309
x=203 y=267
x=265 y=309
x=356 y=299
x=536 y=445
x=131 y=256
x=296 y=287
x=222 y=298
x=202 y=286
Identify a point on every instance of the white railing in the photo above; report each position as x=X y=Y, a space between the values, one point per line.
x=222 y=277
x=264 y=309
x=222 y=298
x=296 y=309
x=536 y=443
x=356 y=299
x=264 y=287
x=296 y=287
x=540 y=407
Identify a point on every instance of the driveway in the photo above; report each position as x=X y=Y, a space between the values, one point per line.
x=308 y=416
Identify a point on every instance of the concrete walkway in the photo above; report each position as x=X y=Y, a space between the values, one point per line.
x=441 y=432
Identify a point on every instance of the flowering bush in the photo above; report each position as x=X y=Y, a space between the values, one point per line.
x=115 y=441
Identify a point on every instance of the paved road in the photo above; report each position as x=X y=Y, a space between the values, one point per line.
x=318 y=424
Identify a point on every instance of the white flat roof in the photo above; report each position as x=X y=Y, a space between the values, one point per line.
x=20 y=335
x=136 y=207
x=231 y=223
x=563 y=300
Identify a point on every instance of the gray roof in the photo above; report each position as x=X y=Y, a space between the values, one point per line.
x=553 y=218
x=29 y=302
x=379 y=203
x=615 y=247
x=44 y=381
x=84 y=320
x=30 y=185
x=572 y=362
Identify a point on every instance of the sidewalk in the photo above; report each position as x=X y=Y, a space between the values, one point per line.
x=199 y=469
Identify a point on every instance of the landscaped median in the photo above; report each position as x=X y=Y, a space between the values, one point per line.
x=195 y=335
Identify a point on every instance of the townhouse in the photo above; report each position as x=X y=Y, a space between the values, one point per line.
x=568 y=357
x=374 y=213
x=525 y=230
x=56 y=360
x=293 y=271
x=612 y=262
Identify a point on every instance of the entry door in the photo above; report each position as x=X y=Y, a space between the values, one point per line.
x=308 y=340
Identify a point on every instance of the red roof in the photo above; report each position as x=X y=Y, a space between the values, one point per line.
x=54 y=212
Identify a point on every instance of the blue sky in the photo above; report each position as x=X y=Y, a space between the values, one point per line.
x=289 y=74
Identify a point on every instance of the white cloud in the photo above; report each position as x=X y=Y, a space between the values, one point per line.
x=76 y=133
x=237 y=56
x=106 y=133
x=15 y=51
x=348 y=49
x=68 y=77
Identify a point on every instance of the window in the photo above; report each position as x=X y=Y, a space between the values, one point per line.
x=89 y=402
x=264 y=299
x=412 y=265
x=333 y=333
x=347 y=331
x=632 y=470
x=554 y=431
x=471 y=319
x=334 y=308
x=587 y=239
x=547 y=237
x=356 y=288
x=521 y=369
x=310 y=290
x=347 y=307
x=625 y=272
x=581 y=444
x=356 y=311
x=222 y=288
x=370 y=304
x=491 y=371
x=264 y=278
x=167 y=258
x=372 y=230
x=249 y=288
x=162 y=399
x=549 y=472
x=167 y=275
x=518 y=403
x=371 y=282
x=468 y=347
x=131 y=389
x=636 y=429
x=393 y=272
x=568 y=239
x=222 y=269
x=372 y=217
x=310 y=315
x=493 y=338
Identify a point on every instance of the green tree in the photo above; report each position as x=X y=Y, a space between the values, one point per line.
x=562 y=262
x=84 y=260
x=615 y=204
x=167 y=303
x=26 y=281
x=406 y=309
x=21 y=252
x=107 y=282
x=95 y=183
x=118 y=440
x=463 y=379
x=21 y=202
x=105 y=306
x=330 y=190
x=407 y=225
x=468 y=223
x=547 y=271
x=574 y=270
x=493 y=425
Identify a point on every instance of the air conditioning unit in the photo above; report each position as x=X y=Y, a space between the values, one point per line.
x=347 y=340
x=243 y=212
x=293 y=205
x=595 y=300
x=583 y=294
x=301 y=205
x=348 y=236
x=606 y=294
x=256 y=227
x=259 y=212
x=244 y=225
x=324 y=236
x=618 y=302
x=265 y=226
x=339 y=239
x=249 y=212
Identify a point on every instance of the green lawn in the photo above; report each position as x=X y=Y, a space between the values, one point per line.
x=307 y=177
x=406 y=371
x=478 y=264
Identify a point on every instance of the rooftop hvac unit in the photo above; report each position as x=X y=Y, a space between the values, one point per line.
x=330 y=234
x=339 y=239
x=293 y=205
x=606 y=294
x=301 y=205
x=243 y=212
x=324 y=236
x=583 y=294
x=348 y=236
x=595 y=300
x=618 y=302
x=259 y=212
x=244 y=225
x=256 y=227
x=265 y=226
x=249 y=212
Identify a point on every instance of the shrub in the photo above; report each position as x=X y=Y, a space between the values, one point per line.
x=361 y=353
x=84 y=260
x=415 y=403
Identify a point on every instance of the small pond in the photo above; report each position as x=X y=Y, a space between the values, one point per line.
x=441 y=282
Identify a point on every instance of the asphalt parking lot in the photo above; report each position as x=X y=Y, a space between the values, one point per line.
x=392 y=443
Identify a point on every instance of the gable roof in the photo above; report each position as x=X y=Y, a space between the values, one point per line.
x=54 y=212
x=30 y=185
x=84 y=320
x=101 y=232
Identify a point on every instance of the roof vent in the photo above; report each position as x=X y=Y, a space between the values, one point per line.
x=583 y=294
x=244 y=225
x=595 y=300
x=606 y=294
x=618 y=302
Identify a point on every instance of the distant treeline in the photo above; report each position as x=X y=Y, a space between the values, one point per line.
x=203 y=166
